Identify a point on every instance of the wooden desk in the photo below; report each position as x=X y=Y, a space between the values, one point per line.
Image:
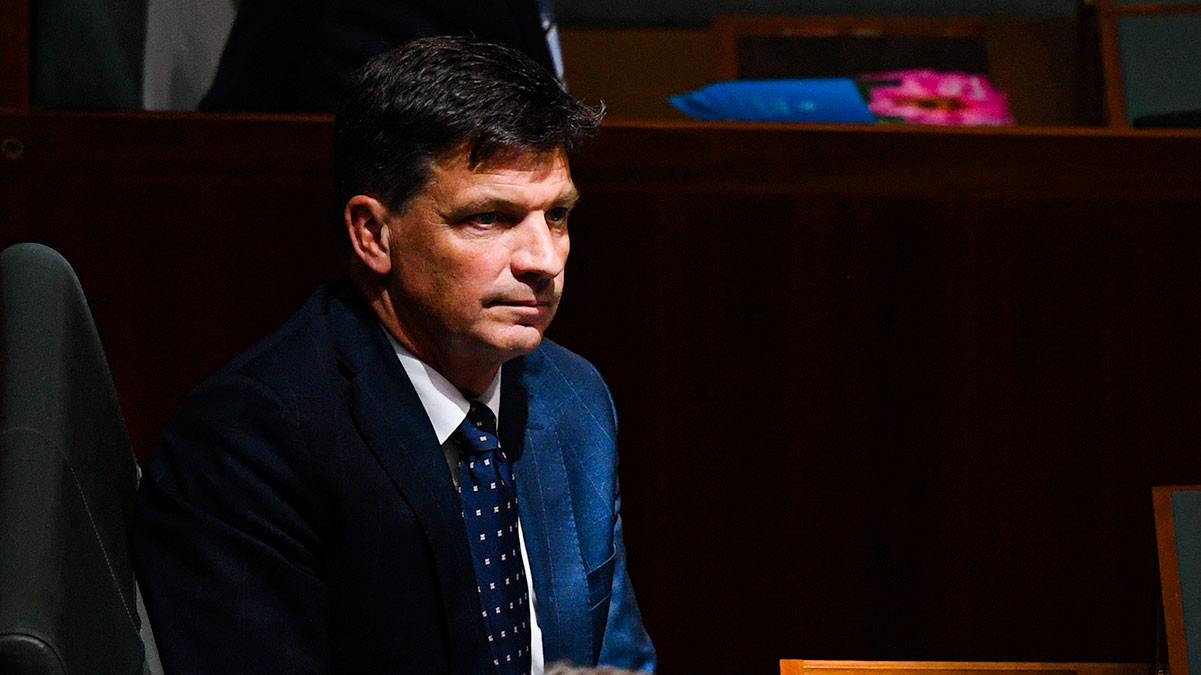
x=812 y=667
x=935 y=374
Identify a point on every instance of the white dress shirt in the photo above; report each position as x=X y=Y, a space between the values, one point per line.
x=446 y=408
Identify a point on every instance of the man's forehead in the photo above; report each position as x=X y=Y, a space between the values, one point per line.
x=516 y=168
x=519 y=158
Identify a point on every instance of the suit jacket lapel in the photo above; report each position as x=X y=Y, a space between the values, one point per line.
x=547 y=518
x=394 y=425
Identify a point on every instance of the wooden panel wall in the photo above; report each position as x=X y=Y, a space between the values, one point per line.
x=14 y=55
x=885 y=393
x=651 y=64
x=192 y=236
x=890 y=394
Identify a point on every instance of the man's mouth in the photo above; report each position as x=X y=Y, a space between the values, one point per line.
x=504 y=302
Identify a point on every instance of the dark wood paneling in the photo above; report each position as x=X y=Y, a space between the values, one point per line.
x=192 y=237
x=885 y=393
x=14 y=55
x=893 y=395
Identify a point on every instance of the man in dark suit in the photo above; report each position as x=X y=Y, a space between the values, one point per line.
x=316 y=506
x=299 y=55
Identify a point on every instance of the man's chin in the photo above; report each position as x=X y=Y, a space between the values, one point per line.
x=514 y=340
x=524 y=340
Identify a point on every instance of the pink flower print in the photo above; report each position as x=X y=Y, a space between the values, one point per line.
x=944 y=99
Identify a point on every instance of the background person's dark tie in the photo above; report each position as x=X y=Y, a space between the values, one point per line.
x=490 y=511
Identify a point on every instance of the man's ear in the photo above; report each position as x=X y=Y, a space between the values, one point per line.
x=366 y=224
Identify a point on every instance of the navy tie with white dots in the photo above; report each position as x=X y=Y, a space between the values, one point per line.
x=489 y=499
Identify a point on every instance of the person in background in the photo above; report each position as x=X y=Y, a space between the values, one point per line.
x=299 y=55
x=406 y=477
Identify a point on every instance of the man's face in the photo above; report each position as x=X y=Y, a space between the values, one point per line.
x=477 y=258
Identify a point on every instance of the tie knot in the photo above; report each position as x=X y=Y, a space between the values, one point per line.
x=477 y=433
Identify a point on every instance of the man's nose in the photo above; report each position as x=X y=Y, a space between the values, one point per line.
x=541 y=251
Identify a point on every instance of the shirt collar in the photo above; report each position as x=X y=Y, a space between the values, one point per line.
x=445 y=406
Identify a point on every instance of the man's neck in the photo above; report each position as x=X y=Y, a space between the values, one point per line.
x=471 y=379
x=444 y=404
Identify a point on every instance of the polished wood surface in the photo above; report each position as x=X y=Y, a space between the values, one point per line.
x=1157 y=8
x=895 y=161
x=1111 y=65
x=885 y=393
x=811 y=667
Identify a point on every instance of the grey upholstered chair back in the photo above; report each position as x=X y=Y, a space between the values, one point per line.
x=68 y=601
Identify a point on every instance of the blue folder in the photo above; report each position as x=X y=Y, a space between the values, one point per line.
x=809 y=100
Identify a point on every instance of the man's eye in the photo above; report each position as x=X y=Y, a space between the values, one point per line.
x=557 y=214
x=488 y=218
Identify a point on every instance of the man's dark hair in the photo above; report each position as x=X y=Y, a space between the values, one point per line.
x=409 y=106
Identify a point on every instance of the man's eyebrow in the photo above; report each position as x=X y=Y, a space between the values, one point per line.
x=570 y=196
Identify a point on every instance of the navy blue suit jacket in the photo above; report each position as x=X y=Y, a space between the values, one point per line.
x=298 y=514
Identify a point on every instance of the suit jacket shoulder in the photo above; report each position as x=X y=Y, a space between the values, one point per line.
x=300 y=495
x=571 y=509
